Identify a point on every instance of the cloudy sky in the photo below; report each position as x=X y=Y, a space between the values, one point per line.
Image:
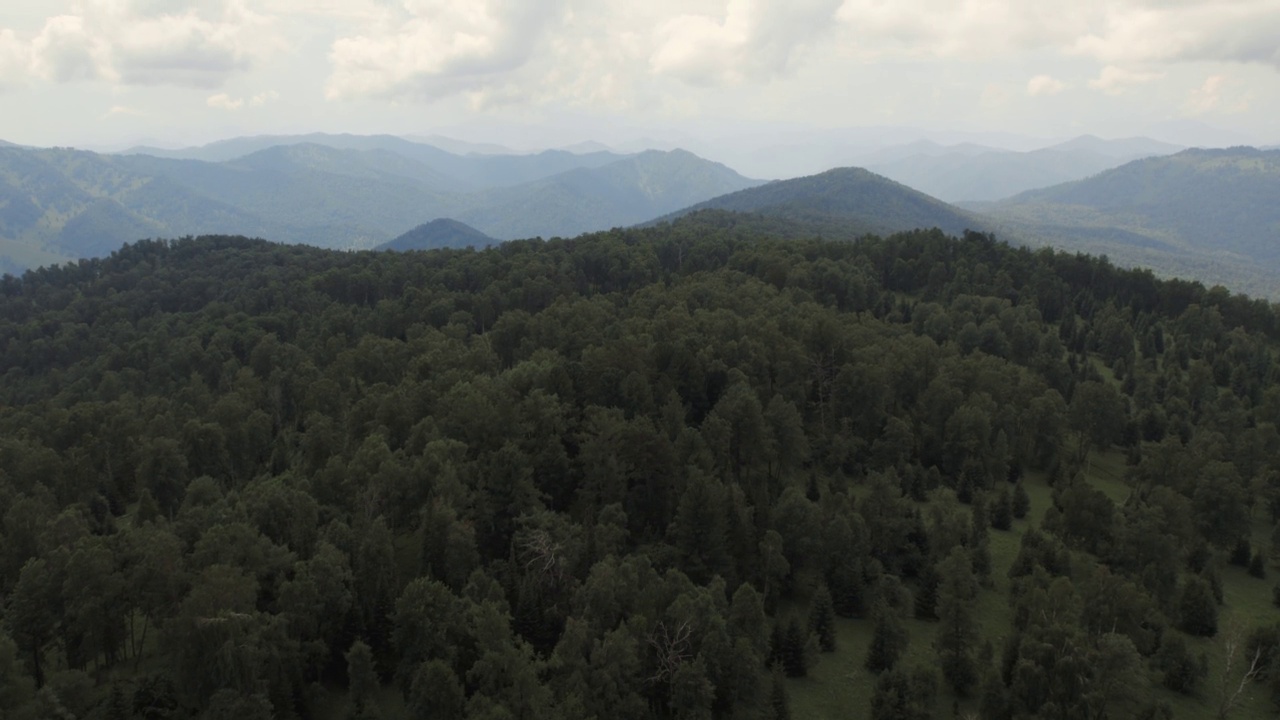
x=96 y=73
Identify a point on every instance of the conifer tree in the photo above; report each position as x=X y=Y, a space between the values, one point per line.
x=957 y=630
x=1021 y=502
x=822 y=619
x=779 y=701
x=1002 y=510
x=888 y=640
x=1258 y=566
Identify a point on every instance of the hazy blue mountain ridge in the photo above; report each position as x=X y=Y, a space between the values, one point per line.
x=971 y=172
x=1209 y=214
x=62 y=203
x=627 y=192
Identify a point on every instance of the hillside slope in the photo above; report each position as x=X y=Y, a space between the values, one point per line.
x=844 y=202
x=1212 y=214
x=437 y=234
x=622 y=193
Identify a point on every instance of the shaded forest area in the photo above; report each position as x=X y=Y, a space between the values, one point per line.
x=642 y=473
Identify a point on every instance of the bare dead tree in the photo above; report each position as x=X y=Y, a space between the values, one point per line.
x=1230 y=698
x=542 y=554
x=673 y=648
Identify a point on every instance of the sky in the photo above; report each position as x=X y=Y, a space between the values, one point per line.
x=726 y=76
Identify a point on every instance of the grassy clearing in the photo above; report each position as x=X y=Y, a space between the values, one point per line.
x=839 y=687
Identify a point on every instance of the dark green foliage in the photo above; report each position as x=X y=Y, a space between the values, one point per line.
x=822 y=619
x=585 y=478
x=888 y=640
x=1258 y=566
x=435 y=693
x=362 y=679
x=957 y=628
x=1002 y=510
x=1181 y=671
x=1197 y=608
x=779 y=702
x=1020 y=502
x=900 y=695
x=791 y=651
x=1242 y=553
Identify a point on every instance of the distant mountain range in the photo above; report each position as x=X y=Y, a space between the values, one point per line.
x=61 y=203
x=1208 y=214
x=973 y=172
x=462 y=172
x=438 y=234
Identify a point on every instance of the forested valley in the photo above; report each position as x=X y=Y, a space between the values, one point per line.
x=684 y=471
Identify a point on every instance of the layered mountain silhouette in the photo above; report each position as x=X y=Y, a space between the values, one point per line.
x=973 y=172
x=1208 y=214
x=63 y=203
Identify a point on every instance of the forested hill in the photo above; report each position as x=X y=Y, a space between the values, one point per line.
x=440 y=233
x=845 y=203
x=681 y=471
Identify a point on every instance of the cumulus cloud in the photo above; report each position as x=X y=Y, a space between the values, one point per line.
x=14 y=59
x=1218 y=93
x=1114 y=32
x=1042 y=85
x=751 y=39
x=1245 y=31
x=436 y=47
x=1115 y=80
x=65 y=51
x=195 y=43
x=223 y=101
x=500 y=51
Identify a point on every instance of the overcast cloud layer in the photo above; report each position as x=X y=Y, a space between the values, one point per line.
x=521 y=72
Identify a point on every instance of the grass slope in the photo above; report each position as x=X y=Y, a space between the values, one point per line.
x=839 y=687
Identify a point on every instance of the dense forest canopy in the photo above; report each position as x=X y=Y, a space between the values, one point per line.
x=666 y=472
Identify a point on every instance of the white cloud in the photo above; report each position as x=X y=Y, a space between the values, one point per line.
x=750 y=39
x=1116 y=32
x=1042 y=85
x=435 y=47
x=1115 y=80
x=193 y=43
x=223 y=101
x=1218 y=94
x=263 y=98
x=1242 y=31
x=14 y=59
x=1208 y=96
x=65 y=51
